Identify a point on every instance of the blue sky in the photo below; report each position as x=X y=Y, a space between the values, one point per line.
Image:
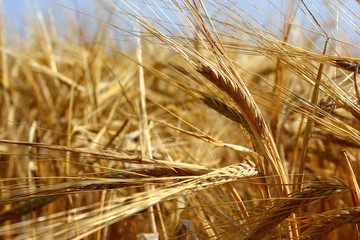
x=16 y=11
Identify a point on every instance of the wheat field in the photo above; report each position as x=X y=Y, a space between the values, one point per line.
x=181 y=119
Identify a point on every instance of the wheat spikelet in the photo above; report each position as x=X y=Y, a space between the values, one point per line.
x=26 y=207
x=142 y=176
x=226 y=110
x=226 y=174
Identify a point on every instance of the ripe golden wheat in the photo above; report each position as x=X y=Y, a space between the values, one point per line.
x=184 y=120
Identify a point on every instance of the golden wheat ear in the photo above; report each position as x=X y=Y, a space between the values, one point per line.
x=321 y=225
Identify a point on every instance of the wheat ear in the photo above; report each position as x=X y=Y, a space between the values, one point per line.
x=322 y=225
x=275 y=215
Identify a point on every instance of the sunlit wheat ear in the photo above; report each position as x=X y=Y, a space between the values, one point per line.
x=128 y=178
x=226 y=174
x=237 y=90
x=320 y=225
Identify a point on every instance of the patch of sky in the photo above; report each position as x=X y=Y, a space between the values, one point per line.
x=233 y=18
